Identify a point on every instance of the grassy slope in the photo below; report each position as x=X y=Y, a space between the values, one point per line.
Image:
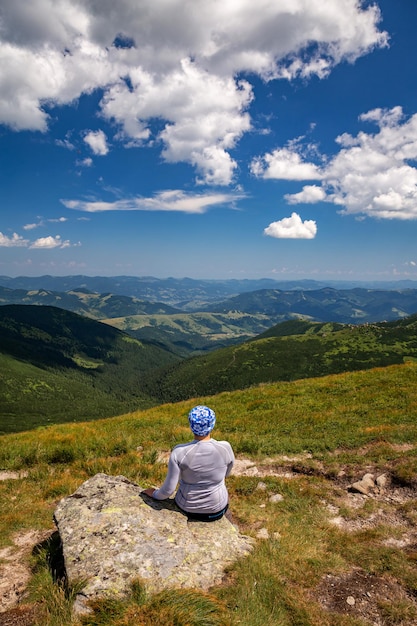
x=282 y=354
x=353 y=422
x=56 y=366
x=61 y=360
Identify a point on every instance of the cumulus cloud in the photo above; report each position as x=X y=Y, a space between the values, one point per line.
x=97 y=141
x=309 y=195
x=292 y=228
x=49 y=243
x=171 y=200
x=12 y=242
x=284 y=163
x=375 y=174
x=16 y=241
x=179 y=65
x=372 y=174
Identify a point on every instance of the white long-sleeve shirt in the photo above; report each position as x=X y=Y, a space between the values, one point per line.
x=200 y=467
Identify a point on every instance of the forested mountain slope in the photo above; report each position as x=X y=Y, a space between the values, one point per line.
x=58 y=366
x=289 y=351
x=325 y=305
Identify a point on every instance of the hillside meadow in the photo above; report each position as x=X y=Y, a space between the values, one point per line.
x=316 y=545
x=57 y=366
x=288 y=351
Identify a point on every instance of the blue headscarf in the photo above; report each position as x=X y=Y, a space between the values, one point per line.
x=202 y=420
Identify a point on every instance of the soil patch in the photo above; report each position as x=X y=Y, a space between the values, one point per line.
x=14 y=569
x=6 y=475
x=19 y=616
x=376 y=599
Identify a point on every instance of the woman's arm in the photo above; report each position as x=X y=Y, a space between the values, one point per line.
x=170 y=482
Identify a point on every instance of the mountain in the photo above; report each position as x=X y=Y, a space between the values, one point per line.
x=328 y=304
x=191 y=333
x=183 y=293
x=57 y=366
x=289 y=351
x=85 y=302
x=218 y=324
x=186 y=294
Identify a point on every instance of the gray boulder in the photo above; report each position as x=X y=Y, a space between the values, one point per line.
x=111 y=534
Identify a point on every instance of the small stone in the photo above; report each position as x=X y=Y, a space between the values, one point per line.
x=359 y=487
x=262 y=533
x=276 y=497
x=350 y=600
x=381 y=481
x=261 y=486
x=365 y=485
x=369 y=479
x=262 y=506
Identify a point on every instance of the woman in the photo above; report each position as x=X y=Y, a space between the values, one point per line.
x=200 y=466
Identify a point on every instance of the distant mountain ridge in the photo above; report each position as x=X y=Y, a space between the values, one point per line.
x=325 y=305
x=184 y=293
x=85 y=302
x=203 y=326
x=178 y=292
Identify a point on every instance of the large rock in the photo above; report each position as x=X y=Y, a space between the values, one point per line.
x=112 y=534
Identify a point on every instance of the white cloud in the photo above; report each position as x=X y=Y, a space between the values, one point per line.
x=309 y=195
x=97 y=141
x=43 y=221
x=372 y=174
x=58 y=219
x=177 y=64
x=15 y=241
x=49 y=243
x=375 y=174
x=87 y=162
x=65 y=143
x=206 y=116
x=292 y=228
x=284 y=163
x=172 y=200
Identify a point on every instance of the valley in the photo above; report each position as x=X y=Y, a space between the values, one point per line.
x=105 y=354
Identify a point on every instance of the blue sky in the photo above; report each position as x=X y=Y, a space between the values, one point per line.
x=209 y=139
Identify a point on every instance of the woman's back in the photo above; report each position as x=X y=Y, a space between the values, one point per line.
x=200 y=467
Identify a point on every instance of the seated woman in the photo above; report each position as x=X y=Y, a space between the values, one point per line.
x=200 y=466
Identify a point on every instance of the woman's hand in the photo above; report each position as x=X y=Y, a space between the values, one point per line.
x=149 y=492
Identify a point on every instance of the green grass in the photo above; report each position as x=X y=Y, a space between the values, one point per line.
x=286 y=352
x=350 y=422
x=56 y=366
